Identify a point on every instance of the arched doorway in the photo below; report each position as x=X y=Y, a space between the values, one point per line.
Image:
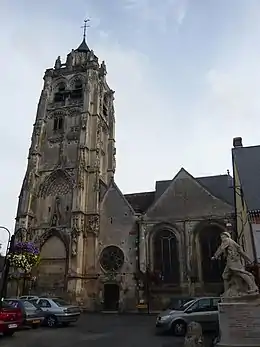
x=52 y=267
x=209 y=240
x=111 y=296
x=166 y=257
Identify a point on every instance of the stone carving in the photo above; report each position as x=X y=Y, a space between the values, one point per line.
x=103 y=69
x=57 y=63
x=194 y=336
x=237 y=281
x=70 y=58
x=56 y=216
x=74 y=241
x=93 y=224
x=84 y=119
x=47 y=83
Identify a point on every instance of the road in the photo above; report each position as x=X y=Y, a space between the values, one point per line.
x=96 y=330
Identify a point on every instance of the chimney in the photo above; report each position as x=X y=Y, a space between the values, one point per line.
x=237 y=142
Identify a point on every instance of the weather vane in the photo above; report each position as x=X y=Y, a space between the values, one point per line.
x=85 y=26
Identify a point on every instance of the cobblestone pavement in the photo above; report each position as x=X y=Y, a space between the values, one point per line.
x=96 y=331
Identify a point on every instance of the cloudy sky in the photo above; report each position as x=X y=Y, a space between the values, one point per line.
x=186 y=75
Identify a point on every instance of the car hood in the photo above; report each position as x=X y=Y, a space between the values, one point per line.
x=169 y=313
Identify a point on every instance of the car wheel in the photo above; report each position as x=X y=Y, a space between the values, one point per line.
x=51 y=321
x=9 y=333
x=179 y=328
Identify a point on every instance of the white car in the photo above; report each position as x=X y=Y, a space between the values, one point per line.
x=28 y=297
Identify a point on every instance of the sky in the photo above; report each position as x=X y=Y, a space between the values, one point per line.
x=185 y=73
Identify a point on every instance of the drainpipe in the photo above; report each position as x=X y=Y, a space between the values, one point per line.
x=235 y=196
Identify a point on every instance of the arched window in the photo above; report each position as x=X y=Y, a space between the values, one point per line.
x=209 y=239
x=77 y=92
x=166 y=258
x=60 y=94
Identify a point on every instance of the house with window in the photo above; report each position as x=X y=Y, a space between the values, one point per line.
x=246 y=169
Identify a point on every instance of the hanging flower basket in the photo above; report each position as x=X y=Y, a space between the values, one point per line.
x=24 y=257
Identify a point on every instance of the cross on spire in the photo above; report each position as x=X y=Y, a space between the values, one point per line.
x=85 y=26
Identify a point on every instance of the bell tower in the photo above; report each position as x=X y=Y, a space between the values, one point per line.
x=71 y=160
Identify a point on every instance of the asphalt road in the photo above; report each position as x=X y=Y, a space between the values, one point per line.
x=96 y=330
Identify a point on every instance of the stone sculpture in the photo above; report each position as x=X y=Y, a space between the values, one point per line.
x=237 y=281
x=194 y=336
x=57 y=63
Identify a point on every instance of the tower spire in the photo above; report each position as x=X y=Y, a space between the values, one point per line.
x=83 y=47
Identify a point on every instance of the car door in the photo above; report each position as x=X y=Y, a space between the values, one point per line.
x=200 y=312
x=44 y=305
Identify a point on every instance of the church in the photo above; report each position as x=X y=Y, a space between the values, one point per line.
x=99 y=247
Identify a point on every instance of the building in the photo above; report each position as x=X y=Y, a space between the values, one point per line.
x=99 y=247
x=246 y=168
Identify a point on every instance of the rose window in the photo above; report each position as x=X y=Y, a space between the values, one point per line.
x=112 y=258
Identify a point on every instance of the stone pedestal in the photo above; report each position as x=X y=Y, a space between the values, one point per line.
x=239 y=322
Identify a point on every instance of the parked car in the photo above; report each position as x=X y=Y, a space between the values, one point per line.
x=28 y=297
x=32 y=315
x=177 y=302
x=57 y=311
x=10 y=319
x=201 y=310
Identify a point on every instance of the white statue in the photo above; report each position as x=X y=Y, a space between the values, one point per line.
x=237 y=281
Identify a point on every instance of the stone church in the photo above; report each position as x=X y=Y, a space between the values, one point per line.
x=99 y=247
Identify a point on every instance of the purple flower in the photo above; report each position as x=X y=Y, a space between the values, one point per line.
x=26 y=247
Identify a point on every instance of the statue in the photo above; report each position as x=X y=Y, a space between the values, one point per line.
x=103 y=69
x=57 y=63
x=194 y=336
x=70 y=58
x=237 y=281
x=56 y=217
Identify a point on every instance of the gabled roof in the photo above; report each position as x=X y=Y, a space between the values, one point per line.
x=247 y=161
x=113 y=185
x=221 y=186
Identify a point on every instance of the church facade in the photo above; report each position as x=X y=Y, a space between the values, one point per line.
x=99 y=247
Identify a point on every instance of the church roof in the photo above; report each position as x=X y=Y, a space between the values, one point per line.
x=83 y=47
x=247 y=161
x=219 y=185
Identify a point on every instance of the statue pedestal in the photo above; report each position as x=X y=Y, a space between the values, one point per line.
x=239 y=321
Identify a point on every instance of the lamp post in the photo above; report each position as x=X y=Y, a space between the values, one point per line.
x=10 y=247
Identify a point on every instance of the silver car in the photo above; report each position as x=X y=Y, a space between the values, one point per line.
x=201 y=310
x=57 y=311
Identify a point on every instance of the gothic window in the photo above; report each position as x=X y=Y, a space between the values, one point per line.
x=209 y=242
x=105 y=106
x=166 y=259
x=58 y=123
x=60 y=94
x=57 y=184
x=77 y=92
x=112 y=258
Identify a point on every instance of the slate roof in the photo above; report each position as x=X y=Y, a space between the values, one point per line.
x=247 y=160
x=83 y=47
x=220 y=186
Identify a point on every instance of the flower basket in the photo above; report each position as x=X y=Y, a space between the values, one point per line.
x=24 y=257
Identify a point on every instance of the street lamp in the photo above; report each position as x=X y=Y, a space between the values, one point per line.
x=10 y=247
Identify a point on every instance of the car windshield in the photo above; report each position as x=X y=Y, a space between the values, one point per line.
x=13 y=303
x=60 y=302
x=186 y=304
x=6 y=304
x=179 y=305
x=28 y=305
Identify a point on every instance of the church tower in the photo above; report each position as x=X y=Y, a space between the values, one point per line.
x=71 y=161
